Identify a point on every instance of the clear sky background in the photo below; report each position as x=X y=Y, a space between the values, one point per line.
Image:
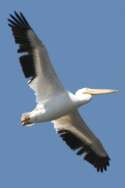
x=86 y=43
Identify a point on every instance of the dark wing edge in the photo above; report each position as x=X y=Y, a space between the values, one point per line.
x=20 y=28
x=99 y=162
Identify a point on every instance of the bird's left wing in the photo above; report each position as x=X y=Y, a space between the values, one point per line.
x=34 y=59
x=78 y=136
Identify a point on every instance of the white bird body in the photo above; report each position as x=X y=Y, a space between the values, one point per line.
x=54 y=103
x=55 y=107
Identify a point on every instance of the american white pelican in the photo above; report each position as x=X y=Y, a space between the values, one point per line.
x=54 y=103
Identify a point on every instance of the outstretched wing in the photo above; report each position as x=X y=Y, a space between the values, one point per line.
x=34 y=59
x=78 y=136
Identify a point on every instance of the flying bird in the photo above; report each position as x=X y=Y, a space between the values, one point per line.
x=54 y=103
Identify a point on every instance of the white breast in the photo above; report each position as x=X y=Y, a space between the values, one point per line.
x=54 y=107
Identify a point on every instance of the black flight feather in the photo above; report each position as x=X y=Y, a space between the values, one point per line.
x=20 y=28
x=99 y=162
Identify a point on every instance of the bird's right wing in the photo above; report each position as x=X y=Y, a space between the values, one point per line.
x=78 y=136
x=34 y=60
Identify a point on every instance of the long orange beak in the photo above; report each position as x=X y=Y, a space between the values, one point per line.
x=100 y=91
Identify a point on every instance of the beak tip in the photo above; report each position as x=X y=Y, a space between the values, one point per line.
x=116 y=91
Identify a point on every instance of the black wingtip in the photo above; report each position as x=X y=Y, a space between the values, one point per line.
x=104 y=163
x=99 y=162
x=17 y=19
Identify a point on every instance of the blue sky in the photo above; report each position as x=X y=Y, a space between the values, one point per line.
x=86 y=43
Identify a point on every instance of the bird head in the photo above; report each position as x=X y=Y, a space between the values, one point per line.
x=86 y=94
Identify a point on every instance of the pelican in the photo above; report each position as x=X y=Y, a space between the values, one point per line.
x=53 y=102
